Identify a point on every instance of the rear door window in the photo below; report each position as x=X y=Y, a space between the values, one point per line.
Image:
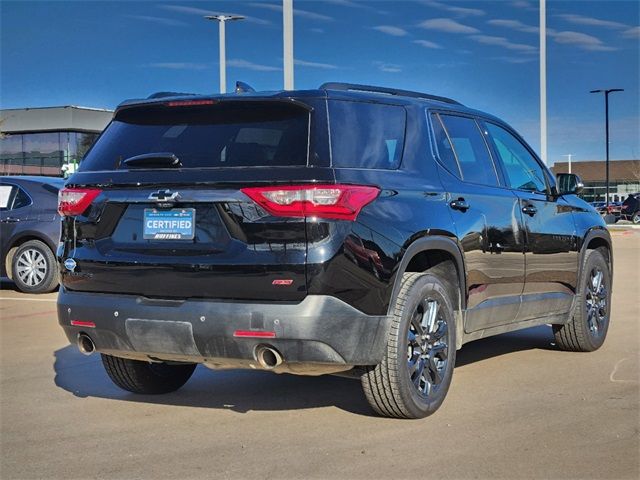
x=228 y=134
x=366 y=135
x=470 y=149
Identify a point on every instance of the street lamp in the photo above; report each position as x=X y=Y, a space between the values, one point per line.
x=606 y=127
x=223 y=56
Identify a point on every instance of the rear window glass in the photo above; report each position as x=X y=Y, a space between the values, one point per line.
x=229 y=134
x=366 y=135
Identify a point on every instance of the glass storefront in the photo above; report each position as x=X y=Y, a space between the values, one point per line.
x=42 y=153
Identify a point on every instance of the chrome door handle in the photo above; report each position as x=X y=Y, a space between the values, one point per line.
x=529 y=210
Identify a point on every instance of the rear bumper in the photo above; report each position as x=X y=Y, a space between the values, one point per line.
x=318 y=331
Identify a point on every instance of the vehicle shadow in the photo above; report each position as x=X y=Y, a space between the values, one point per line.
x=242 y=391
x=540 y=337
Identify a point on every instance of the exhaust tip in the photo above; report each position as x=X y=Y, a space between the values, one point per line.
x=268 y=357
x=85 y=344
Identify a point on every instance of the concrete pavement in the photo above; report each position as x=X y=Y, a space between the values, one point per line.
x=517 y=408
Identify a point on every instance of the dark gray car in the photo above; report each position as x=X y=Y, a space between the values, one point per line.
x=30 y=231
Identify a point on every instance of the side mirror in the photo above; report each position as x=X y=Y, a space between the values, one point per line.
x=569 y=184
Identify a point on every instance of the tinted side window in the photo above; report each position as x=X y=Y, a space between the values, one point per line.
x=366 y=135
x=21 y=200
x=445 y=150
x=522 y=170
x=470 y=149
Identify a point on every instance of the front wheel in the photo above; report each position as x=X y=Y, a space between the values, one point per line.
x=146 y=377
x=588 y=327
x=414 y=376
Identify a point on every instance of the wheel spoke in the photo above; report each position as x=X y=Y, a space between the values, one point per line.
x=429 y=318
x=441 y=331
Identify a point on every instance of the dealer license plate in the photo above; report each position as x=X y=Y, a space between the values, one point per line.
x=175 y=224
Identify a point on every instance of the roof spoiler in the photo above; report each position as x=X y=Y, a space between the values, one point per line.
x=354 y=87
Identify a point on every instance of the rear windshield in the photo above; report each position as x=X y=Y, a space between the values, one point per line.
x=366 y=135
x=229 y=134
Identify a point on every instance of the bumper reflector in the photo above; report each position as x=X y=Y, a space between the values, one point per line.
x=253 y=334
x=83 y=323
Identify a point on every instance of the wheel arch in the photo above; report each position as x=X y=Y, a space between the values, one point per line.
x=426 y=253
x=597 y=239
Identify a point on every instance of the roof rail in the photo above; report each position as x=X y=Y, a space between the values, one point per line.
x=168 y=94
x=388 y=91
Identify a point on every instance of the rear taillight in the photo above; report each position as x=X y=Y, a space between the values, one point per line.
x=341 y=202
x=74 y=201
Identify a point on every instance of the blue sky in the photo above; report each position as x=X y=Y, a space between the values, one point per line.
x=482 y=53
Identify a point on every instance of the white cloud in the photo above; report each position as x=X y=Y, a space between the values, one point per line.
x=325 y=66
x=352 y=4
x=523 y=4
x=514 y=25
x=317 y=30
x=427 y=44
x=633 y=32
x=391 y=30
x=503 y=42
x=590 y=21
x=582 y=41
x=168 y=22
x=178 y=65
x=203 y=12
x=388 y=67
x=447 y=25
x=459 y=11
x=296 y=11
x=240 y=63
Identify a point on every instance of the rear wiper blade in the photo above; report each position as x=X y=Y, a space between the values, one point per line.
x=149 y=160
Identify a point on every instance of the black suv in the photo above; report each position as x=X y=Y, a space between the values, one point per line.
x=349 y=228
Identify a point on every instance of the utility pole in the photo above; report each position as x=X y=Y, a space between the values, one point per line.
x=543 y=81
x=606 y=133
x=287 y=32
x=223 y=55
x=569 y=155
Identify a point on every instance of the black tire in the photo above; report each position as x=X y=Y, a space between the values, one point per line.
x=34 y=268
x=391 y=387
x=145 y=377
x=587 y=329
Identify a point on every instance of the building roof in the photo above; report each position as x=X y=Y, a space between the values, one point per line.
x=594 y=171
x=54 y=119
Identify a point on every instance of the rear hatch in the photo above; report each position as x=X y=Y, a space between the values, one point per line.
x=157 y=208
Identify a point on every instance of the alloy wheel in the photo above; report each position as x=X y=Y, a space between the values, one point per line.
x=596 y=302
x=427 y=347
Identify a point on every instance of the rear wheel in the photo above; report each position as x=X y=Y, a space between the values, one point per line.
x=588 y=328
x=33 y=268
x=635 y=218
x=145 y=377
x=414 y=376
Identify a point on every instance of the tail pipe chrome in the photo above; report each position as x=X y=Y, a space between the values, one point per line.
x=268 y=357
x=85 y=344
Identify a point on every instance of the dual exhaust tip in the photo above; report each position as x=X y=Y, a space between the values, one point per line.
x=267 y=356
x=85 y=344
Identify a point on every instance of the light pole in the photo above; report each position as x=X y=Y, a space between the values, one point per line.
x=221 y=19
x=543 y=80
x=606 y=134
x=569 y=155
x=287 y=34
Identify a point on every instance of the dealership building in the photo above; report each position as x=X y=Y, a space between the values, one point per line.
x=47 y=141
x=624 y=178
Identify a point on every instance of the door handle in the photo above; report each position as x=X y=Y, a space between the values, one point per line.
x=459 y=204
x=10 y=220
x=529 y=210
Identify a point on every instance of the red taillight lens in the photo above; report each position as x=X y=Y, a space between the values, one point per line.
x=74 y=201
x=341 y=202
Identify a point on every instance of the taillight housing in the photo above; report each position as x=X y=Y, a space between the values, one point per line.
x=74 y=201
x=339 y=202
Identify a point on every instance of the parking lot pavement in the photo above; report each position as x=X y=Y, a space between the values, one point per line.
x=517 y=408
